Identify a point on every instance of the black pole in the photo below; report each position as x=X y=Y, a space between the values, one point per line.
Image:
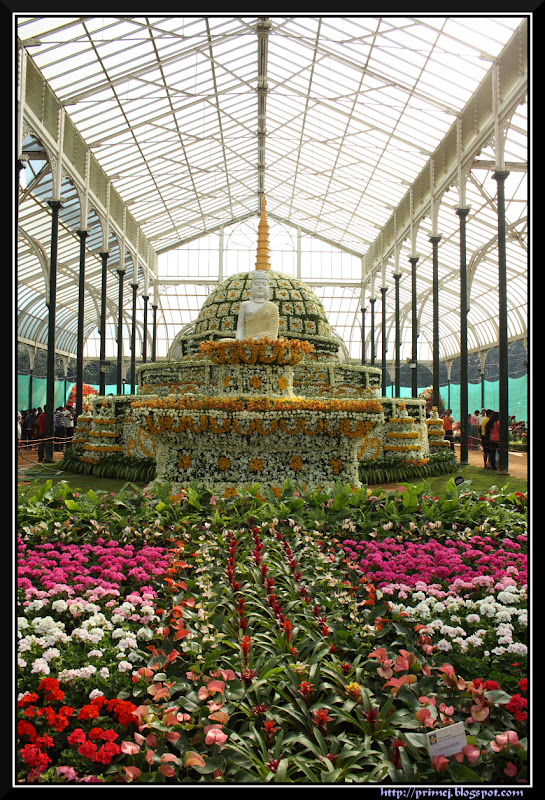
x=464 y=456
x=121 y=274
x=81 y=319
x=414 y=353
x=363 y=355
x=52 y=307
x=397 y=276
x=383 y=290
x=373 y=349
x=134 y=287
x=145 y=298
x=154 y=334
x=103 y=295
x=435 y=344
x=503 y=341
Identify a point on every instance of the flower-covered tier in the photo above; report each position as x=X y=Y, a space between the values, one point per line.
x=262 y=367
x=436 y=432
x=404 y=438
x=228 y=443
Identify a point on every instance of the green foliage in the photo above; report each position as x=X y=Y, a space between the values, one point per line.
x=274 y=662
x=390 y=469
x=127 y=468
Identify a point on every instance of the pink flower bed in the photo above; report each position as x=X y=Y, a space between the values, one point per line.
x=454 y=563
x=75 y=568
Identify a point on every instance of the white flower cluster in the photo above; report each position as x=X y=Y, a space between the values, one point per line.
x=120 y=637
x=503 y=618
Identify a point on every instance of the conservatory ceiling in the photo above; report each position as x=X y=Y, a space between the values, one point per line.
x=364 y=132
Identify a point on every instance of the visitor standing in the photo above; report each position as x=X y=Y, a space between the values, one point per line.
x=448 y=427
x=60 y=429
x=41 y=428
x=484 y=435
x=30 y=425
x=493 y=431
x=474 y=430
x=68 y=417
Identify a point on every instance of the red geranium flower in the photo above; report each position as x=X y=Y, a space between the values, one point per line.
x=51 y=689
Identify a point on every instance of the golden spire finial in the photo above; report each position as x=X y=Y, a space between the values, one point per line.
x=263 y=261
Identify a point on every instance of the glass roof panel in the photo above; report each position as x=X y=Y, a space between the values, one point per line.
x=353 y=110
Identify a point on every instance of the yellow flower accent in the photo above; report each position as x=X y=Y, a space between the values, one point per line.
x=336 y=465
x=353 y=691
x=186 y=461
x=224 y=463
x=369 y=442
x=230 y=492
x=257 y=464
x=283 y=383
x=296 y=463
x=256 y=382
x=227 y=380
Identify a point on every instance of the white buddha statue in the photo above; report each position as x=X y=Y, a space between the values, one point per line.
x=258 y=316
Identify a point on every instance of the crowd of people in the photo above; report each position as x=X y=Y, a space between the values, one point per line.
x=32 y=428
x=483 y=433
x=490 y=436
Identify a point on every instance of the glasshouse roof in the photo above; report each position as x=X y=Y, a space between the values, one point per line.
x=162 y=135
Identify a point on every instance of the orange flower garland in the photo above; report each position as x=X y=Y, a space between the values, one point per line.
x=287 y=352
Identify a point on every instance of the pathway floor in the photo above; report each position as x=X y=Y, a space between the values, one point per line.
x=518 y=465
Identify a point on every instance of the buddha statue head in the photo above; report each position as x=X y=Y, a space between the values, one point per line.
x=260 y=288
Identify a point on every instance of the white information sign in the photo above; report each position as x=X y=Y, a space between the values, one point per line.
x=446 y=741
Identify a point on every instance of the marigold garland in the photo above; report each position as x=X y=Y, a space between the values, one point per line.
x=184 y=403
x=287 y=352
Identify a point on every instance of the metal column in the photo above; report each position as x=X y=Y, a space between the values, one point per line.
x=383 y=290
x=145 y=298
x=103 y=296
x=435 y=343
x=154 y=334
x=134 y=287
x=121 y=275
x=464 y=457
x=363 y=356
x=397 y=276
x=81 y=323
x=373 y=300
x=414 y=347
x=503 y=341
x=52 y=307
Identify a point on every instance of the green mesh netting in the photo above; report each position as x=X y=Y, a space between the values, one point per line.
x=517 y=400
x=518 y=395
x=39 y=392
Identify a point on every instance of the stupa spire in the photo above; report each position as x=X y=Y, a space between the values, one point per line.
x=263 y=260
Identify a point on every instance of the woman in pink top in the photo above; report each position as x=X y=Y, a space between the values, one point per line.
x=493 y=429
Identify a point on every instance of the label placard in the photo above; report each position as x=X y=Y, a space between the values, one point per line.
x=446 y=741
